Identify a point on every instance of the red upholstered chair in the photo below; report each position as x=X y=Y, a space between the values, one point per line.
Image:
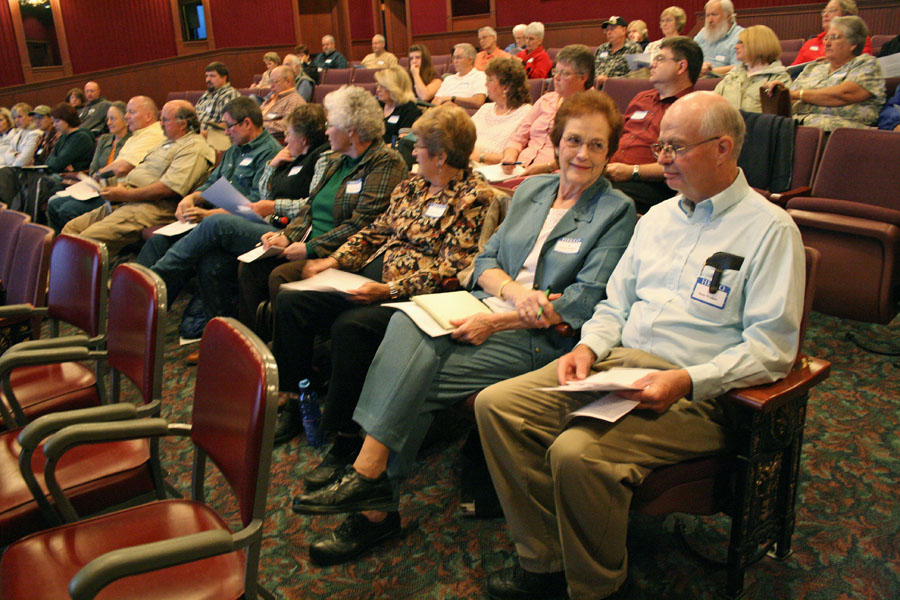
x=322 y=90
x=440 y=59
x=193 y=95
x=706 y=84
x=176 y=96
x=171 y=548
x=536 y=88
x=623 y=89
x=852 y=216
x=880 y=40
x=792 y=45
x=552 y=52
x=788 y=56
x=757 y=484
x=34 y=382
x=336 y=76
x=97 y=476
x=11 y=222
x=363 y=76
x=25 y=285
x=808 y=142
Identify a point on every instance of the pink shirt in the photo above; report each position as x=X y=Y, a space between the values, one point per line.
x=532 y=138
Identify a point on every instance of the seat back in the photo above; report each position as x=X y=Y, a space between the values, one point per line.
x=706 y=84
x=364 y=76
x=77 y=289
x=234 y=411
x=11 y=222
x=871 y=180
x=792 y=45
x=809 y=291
x=807 y=150
x=536 y=88
x=135 y=329
x=336 y=76
x=27 y=281
x=880 y=40
x=322 y=90
x=623 y=89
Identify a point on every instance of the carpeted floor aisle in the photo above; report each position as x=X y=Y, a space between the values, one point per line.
x=846 y=544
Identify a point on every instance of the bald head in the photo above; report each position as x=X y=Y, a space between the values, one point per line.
x=178 y=119
x=282 y=78
x=707 y=133
x=91 y=91
x=140 y=112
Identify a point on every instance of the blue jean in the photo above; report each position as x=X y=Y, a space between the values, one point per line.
x=62 y=209
x=209 y=250
x=414 y=375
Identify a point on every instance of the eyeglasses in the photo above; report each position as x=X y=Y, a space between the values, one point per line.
x=574 y=141
x=563 y=73
x=660 y=58
x=832 y=37
x=660 y=148
x=231 y=125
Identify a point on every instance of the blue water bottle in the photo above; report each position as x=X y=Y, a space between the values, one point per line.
x=312 y=416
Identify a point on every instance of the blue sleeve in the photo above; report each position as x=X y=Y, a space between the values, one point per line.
x=890 y=117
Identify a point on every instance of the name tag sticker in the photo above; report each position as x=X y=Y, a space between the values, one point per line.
x=354 y=187
x=272 y=116
x=604 y=55
x=435 y=211
x=701 y=293
x=295 y=170
x=530 y=60
x=567 y=245
x=393 y=119
x=247 y=161
x=814 y=48
x=720 y=57
x=638 y=115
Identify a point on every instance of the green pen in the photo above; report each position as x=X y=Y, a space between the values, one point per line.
x=541 y=309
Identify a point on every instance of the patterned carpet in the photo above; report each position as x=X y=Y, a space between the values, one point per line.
x=846 y=544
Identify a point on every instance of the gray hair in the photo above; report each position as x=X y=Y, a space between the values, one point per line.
x=848 y=7
x=353 y=108
x=467 y=49
x=581 y=59
x=119 y=106
x=330 y=38
x=488 y=30
x=191 y=121
x=379 y=36
x=285 y=72
x=727 y=6
x=721 y=118
x=521 y=27
x=854 y=29
x=535 y=28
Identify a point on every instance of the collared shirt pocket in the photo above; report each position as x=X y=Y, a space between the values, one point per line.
x=722 y=305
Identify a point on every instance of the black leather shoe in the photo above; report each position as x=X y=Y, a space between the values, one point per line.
x=355 y=536
x=516 y=583
x=289 y=422
x=351 y=493
x=329 y=470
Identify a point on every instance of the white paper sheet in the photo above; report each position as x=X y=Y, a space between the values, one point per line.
x=259 y=253
x=421 y=318
x=86 y=188
x=224 y=195
x=176 y=228
x=618 y=378
x=609 y=407
x=329 y=280
x=494 y=173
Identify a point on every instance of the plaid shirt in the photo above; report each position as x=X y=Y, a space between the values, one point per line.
x=379 y=172
x=211 y=104
x=613 y=64
x=423 y=242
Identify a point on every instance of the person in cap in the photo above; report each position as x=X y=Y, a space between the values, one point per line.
x=609 y=59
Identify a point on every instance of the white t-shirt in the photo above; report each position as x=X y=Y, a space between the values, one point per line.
x=474 y=82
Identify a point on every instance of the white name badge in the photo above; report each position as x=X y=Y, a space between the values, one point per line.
x=327 y=61
x=295 y=170
x=568 y=245
x=354 y=187
x=247 y=161
x=393 y=119
x=701 y=293
x=720 y=57
x=435 y=211
x=638 y=115
x=814 y=48
x=272 y=116
x=530 y=60
x=604 y=54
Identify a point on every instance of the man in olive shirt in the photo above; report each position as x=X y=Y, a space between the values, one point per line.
x=147 y=197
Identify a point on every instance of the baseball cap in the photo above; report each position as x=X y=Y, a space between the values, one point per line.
x=614 y=20
x=41 y=109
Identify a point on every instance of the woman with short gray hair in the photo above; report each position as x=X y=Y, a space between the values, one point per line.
x=815 y=47
x=352 y=108
x=537 y=62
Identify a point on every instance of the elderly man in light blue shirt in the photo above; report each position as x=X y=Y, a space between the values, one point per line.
x=718 y=38
x=710 y=292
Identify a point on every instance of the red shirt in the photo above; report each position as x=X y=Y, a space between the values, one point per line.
x=642 y=119
x=815 y=48
x=537 y=64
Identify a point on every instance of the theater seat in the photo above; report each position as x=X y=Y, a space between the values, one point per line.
x=25 y=286
x=623 y=89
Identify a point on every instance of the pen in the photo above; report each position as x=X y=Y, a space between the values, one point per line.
x=511 y=164
x=541 y=309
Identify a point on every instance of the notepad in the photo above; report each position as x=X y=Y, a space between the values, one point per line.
x=329 y=280
x=450 y=306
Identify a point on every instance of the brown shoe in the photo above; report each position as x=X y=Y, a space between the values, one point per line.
x=193 y=358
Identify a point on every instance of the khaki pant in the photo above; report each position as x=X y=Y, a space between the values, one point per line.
x=123 y=225
x=566 y=493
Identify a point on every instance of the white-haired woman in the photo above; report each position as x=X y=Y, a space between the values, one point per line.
x=537 y=62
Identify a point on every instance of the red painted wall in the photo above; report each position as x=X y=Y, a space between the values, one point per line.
x=10 y=65
x=239 y=23
x=362 y=24
x=427 y=16
x=109 y=33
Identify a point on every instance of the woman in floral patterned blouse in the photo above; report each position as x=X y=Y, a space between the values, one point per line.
x=429 y=232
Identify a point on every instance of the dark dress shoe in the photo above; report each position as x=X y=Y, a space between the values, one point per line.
x=329 y=470
x=355 y=536
x=516 y=583
x=351 y=493
x=289 y=422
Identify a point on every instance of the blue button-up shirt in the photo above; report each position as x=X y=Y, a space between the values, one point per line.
x=658 y=296
x=720 y=53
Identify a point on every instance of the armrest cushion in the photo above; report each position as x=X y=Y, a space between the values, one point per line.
x=33 y=433
x=16 y=310
x=782 y=198
x=95 y=433
x=806 y=374
x=57 y=342
x=850 y=209
x=886 y=233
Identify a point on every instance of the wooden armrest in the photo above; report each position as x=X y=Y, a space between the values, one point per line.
x=807 y=373
x=781 y=199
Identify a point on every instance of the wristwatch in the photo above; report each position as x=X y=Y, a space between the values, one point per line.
x=394 y=290
x=636 y=173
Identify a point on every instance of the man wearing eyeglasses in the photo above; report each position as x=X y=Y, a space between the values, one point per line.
x=710 y=293
x=468 y=86
x=633 y=168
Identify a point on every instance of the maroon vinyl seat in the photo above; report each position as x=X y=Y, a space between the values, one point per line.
x=788 y=56
x=880 y=40
x=11 y=222
x=25 y=286
x=852 y=216
x=363 y=76
x=707 y=84
x=94 y=476
x=536 y=88
x=76 y=295
x=176 y=96
x=193 y=96
x=808 y=142
x=336 y=76
x=623 y=89
x=792 y=45
x=322 y=90
x=171 y=548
